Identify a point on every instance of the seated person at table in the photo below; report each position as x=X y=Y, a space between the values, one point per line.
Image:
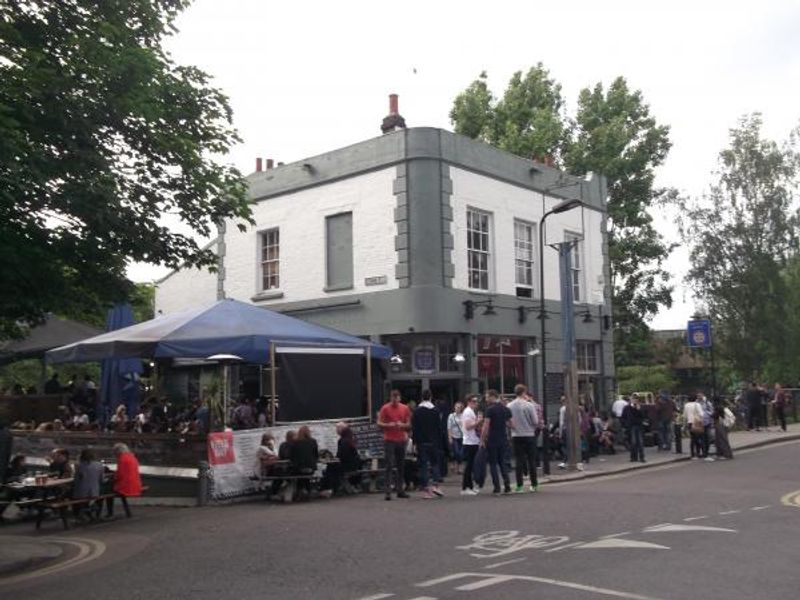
x=16 y=471
x=303 y=457
x=60 y=466
x=88 y=478
x=127 y=481
x=285 y=447
x=119 y=420
x=349 y=463
x=80 y=420
x=266 y=454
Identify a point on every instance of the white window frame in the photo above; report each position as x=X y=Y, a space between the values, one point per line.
x=577 y=265
x=521 y=247
x=482 y=249
x=584 y=350
x=269 y=267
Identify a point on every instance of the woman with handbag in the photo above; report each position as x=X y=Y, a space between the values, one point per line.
x=723 y=419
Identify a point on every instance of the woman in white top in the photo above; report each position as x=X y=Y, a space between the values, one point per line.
x=455 y=435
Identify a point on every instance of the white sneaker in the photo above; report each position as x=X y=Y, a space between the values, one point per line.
x=709 y=459
x=469 y=492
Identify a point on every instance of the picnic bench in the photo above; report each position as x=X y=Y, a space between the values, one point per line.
x=94 y=504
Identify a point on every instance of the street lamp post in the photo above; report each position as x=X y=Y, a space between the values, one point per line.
x=558 y=208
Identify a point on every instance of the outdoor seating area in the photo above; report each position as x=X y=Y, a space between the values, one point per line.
x=73 y=492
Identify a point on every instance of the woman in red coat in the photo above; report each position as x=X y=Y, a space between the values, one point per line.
x=126 y=480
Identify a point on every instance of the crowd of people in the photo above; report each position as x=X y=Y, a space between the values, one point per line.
x=299 y=454
x=87 y=477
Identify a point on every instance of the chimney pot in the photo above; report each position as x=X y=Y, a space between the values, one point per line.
x=393 y=105
x=270 y=163
x=258 y=165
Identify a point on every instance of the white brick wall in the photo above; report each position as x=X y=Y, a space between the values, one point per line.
x=301 y=219
x=185 y=289
x=506 y=202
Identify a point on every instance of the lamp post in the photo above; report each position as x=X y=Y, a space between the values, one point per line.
x=558 y=208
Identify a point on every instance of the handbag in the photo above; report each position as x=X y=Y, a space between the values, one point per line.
x=697 y=425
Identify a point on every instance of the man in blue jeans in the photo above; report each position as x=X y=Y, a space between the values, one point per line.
x=426 y=431
x=494 y=437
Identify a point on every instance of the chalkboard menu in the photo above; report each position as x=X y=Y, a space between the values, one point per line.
x=370 y=439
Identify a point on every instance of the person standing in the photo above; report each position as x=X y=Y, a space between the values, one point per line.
x=693 y=419
x=779 y=403
x=427 y=435
x=6 y=448
x=455 y=435
x=53 y=385
x=494 y=437
x=707 y=411
x=127 y=480
x=753 y=400
x=395 y=420
x=665 y=412
x=723 y=418
x=523 y=437
x=470 y=424
x=633 y=419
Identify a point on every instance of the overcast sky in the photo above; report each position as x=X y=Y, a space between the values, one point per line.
x=308 y=77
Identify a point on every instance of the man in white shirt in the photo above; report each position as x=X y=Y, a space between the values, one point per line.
x=692 y=415
x=469 y=423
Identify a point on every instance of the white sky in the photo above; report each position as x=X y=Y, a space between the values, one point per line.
x=308 y=77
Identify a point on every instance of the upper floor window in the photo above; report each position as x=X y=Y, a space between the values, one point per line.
x=478 y=249
x=577 y=266
x=523 y=257
x=270 y=259
x=586 y=357
x=339 y=251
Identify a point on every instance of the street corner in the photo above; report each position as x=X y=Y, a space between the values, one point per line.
x=18 y=554
x=25 y=558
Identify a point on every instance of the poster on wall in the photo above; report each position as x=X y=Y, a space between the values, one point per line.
x=232 y=456
x=425 y=360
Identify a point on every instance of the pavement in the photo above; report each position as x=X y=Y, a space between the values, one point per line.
x=23 y=553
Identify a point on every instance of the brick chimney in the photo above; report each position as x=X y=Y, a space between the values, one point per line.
x=258 y=165
x=270 y=163
x=393 y=121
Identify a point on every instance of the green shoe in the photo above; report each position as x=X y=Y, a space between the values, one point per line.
x=519 y=489
x=534 y=488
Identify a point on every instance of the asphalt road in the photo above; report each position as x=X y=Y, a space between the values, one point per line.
x=692 y=529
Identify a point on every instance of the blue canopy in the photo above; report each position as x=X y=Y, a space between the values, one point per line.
x=225 y=327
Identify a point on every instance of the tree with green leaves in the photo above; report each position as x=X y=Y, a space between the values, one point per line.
x=613 y=133
x=742 y=236
x=528 y=121
x=102 y=136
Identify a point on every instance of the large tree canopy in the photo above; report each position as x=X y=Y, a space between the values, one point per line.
x=101 y=137
x=613 y=133
x=743 y=241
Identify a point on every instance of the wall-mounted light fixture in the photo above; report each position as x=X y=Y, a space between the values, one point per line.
x=469 y=308
x=459 y=357
x=395 y=359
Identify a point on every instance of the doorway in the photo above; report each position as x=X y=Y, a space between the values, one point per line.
x=447 y=390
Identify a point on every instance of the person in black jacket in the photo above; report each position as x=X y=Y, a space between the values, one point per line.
x=426 y=427
x=303 y=457
x=633 y=420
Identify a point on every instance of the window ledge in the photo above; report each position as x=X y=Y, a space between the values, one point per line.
x=337 y=288
x=267 y=295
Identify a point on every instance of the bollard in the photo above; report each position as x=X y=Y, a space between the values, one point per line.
x=678 y=438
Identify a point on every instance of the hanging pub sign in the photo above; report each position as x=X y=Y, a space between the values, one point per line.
x=424 y=360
